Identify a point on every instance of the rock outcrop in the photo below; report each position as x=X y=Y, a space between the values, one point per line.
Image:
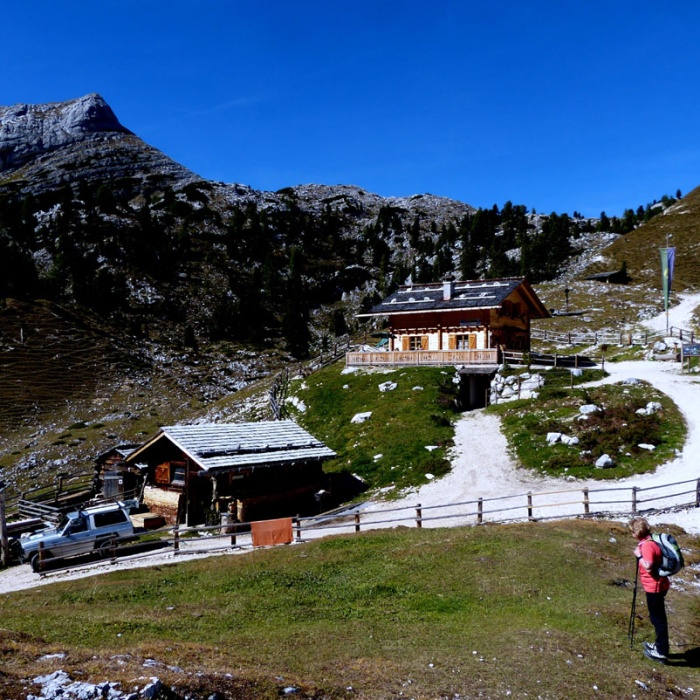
x=44 y=146
x=27 y=131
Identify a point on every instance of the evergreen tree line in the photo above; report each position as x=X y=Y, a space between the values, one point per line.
x=278 y=264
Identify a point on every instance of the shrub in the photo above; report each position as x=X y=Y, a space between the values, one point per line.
x=561 y=462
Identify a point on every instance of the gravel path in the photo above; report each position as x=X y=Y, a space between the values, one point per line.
x=482 y=467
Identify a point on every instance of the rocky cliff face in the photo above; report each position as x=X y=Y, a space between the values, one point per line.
x=45 y=146
x=27 y=131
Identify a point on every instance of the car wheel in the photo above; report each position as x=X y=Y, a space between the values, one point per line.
x=35 y=563
x=106 y=547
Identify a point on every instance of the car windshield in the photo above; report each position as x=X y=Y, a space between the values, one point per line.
x=74 y=525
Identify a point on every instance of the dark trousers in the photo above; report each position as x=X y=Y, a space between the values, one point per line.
x=657 y=615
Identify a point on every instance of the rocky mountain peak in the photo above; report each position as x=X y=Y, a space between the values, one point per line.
x=27 y=131
x=44 y=146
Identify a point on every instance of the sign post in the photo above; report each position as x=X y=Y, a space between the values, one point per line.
x=690 y=350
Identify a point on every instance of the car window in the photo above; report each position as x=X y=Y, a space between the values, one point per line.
x=76 y=525
x=112 y=517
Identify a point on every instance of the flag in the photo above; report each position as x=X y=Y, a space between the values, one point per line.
x=668 y=257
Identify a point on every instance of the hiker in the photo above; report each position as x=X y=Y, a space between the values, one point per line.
x=649 y=558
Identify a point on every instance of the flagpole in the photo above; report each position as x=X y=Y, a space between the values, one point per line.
x=668 y=292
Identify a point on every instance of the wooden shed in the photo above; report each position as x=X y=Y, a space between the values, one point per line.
x=253 y=470
x=114 y=478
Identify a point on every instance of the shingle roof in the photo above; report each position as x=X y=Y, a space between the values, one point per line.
x=473 y=294
x=229 y=446
x=122 y=450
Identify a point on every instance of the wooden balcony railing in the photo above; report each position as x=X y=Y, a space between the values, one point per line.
x=422 y=357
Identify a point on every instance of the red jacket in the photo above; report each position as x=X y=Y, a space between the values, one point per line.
x=649 y=564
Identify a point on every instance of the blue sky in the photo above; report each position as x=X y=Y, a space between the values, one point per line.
x=560 y=105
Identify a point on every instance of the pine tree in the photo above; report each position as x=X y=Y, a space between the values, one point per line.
x=295 y=325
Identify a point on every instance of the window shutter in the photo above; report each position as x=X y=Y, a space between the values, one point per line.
x=452 y=342
x=472 y=341
x=163 y=473
x=405 y=343
x=424 y=342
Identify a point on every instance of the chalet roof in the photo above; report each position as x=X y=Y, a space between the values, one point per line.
x=227 y=447
x=467 y=295
x=122 y=451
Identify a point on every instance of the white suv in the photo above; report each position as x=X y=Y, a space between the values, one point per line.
x=82 y=531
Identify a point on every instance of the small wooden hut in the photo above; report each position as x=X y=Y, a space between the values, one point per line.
x=252 y=470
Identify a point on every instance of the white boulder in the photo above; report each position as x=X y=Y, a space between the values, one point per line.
x=605 y=462
x=569 y=439
x=361 y=417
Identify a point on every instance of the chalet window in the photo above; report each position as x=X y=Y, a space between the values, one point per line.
x=170 y=473
x=418 y=342
x=465 y=341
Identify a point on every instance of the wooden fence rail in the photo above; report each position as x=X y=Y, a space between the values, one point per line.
x=610 y=337
x=585 y=502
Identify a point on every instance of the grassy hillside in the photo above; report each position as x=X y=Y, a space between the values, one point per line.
x=617 y=429
x=73 y=386
x=414 y=412
x=680 y=225
x=529 y=610
x=389 y=450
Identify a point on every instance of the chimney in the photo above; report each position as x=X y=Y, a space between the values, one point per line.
x=448 y=290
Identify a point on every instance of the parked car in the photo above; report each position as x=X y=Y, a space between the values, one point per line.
x=82 y=531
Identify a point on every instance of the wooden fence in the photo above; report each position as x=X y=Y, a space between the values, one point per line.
x=612 y=502
x=610 y=337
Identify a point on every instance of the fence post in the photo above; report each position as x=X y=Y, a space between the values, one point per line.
x=4 y=541
x=298 y=528
x=41 y=556
x=697 y=494
x=480 y=511
x=586 y=502
x=176 y=540
x=357 y=522
x=634 y=499
x=529 y=505
x=419 y=516
x=233 y=531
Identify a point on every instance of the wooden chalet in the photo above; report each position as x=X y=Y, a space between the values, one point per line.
x=454 y=323
x=251 y=470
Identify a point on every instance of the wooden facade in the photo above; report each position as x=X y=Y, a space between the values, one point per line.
x=455 y=322
x=249 y=470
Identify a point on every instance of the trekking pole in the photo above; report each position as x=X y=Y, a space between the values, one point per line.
x=630 y=629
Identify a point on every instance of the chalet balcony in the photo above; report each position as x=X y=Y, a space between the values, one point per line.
x=397 y=358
